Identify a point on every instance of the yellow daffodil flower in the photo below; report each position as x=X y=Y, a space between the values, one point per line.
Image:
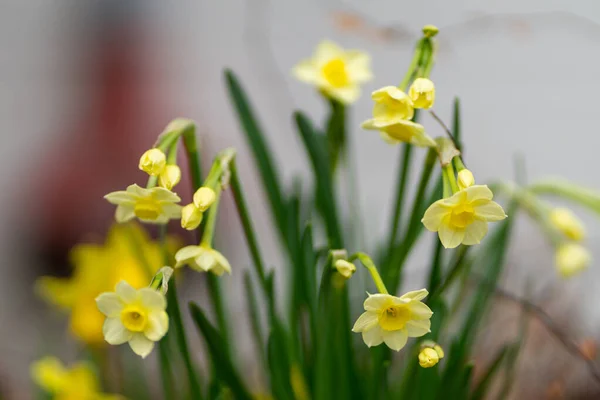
x=393 y=320
x=77 y=382
x=134 y=316
x=463 y=217
x=169 y=176
x=97 y=269
x=422 y=93
x=156 y=205
x=566 y=222
x=345 y=268
x=428 y=357
x=191 y=217
x=202 y=258
x=204 y=198
x=153 y=162
x=391 y=116
x=335 y=71
x=465 y=179
x=571 y=258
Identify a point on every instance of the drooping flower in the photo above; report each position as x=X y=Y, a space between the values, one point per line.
x=202 y=258
x=153 y=162
x=393 y=320
x=191 y=217
x=137 y=317
x=463 y=217
x=156 y=205
x=335 y=71
x=566 y=222
x=431 y=353
x=422 y=93
x=571 y=258
x=345 y=268
x=77 y=382
x=98 y=268
x=169 y=176
x=204 y=198
x=392 y=112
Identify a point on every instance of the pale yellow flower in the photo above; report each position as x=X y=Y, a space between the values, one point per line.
x=422 y=93
x=202 y=258
x=428 y=357
x=156 y=205
x=465 y=179
x=137 y=317
x=97 y=268
x=335 y=71
x=191 y=217
x=345 y=268
x=169 y=176
x=566 y=222
x=571 y=258
x=463 y=217
x=392 y=112
x=204 y=198
x=153 y=161
x=393 y=320
x=77 y=382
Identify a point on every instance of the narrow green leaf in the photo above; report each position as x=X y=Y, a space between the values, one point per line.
x=336 y=133
x=456 y=124
x=255 y=318
x=589 y=198
x=280 y=367
x=215 y=345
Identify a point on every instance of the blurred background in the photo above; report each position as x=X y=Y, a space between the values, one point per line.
x=85 y=88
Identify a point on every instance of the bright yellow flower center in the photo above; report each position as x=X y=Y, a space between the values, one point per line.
x=462 y=215
x=335 y=73
x=394 y=317
x=134 y=318
x=147 y=209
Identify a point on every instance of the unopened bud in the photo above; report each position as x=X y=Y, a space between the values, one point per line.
x=153 y=162
x=345 y=268
x=430 y=30
x=566 y=222
x=422 y=93
x=191 y=217
x=169 y=177
x=465 y=179
x=204 y=198
x=571 y=258
x=428 y=357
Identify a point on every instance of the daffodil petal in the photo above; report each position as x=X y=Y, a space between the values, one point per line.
x=120 y=197
x=187 y=253
x=415 y=295
x=358 y=66
x=114 y=331
x=222 y=261
x=418 y=328
x=109 y=304
x=373 y=336
x=152 y=299
x=450 y=237
x=126 y=292
x=172 y=211
x=387 y=138
x=141 y=345
x=138 y=191
x=475 y=232
x=124 y=213
x=478 y=192
x=395 y=340
x=366 y=321
x=306 y=71
x=420 y=310
x=346 y=94
x=205 y=261
x=165 y=195
x=158 y=325
x=326 y=50
x=377 y=301
x=432 y=219
x=490 y=211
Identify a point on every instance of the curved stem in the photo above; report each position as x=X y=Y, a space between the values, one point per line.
x=368 y=264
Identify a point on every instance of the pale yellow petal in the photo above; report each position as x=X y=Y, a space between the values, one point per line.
x=138 y=191
x=387 y=138
x=432 y=219
x=172 y=211
x=109 y=304
x=415 y=295
x=141 y=345
x=327 y=50
x=391 y=91
x=378 y=301
x=222 y=261
x=478 y=192
x=369 y=124
x=475 y=232
x=395 y=340
x=346 y=95
x=373 y=336
x=152 y=299
x=124 y=213
x=422 y=139
x=165 y=195
x=205 y=261
x=489 y=211
x=187 y=253
x=420 y=310
x=366 y=321
x=358 y=65
x=418 y=328
x=114 y=331
x=126 y=292
x=158 y=325
x=450 y=237
x=306 y=71
x=120 y=197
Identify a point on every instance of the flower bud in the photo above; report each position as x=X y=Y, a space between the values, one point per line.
x=571 y=258
x=430 y=31
x=465 y=179
x=169 y=177
x=428 y=357
x=153 y=161
x=204 y=198
x=422 y=93
x=191 y=217
x=345 y=268
x=566 y=222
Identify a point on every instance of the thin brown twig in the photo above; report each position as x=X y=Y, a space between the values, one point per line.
x=569 y=344
x=445 y=127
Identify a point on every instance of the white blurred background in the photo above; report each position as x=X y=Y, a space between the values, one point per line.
x=85 y=87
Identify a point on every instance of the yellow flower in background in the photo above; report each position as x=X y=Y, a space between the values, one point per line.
x=153 y=162
x=422 y=93
x=566 y=222
x=345 y=268
x=169 y=176
x=463 y=217
x=156 y=205
x=134 y=316
x=428 y=358
x=465 y=179
x=203 y=259
x=391 y=116
x=393 y=320
x=204 y=198
x=571 y=258
x=335 y=71
x=191 y=217
x=78 y=382
x=98 y=268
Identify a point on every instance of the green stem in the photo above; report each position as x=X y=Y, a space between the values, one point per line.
x=458 y=163
x=413 y=65
x=211 y=221
x=446 y=182
x=401 y=190
x=428 y=59
x=172 y=154
x=191 y=148
x=368 y=264
x=449 y=171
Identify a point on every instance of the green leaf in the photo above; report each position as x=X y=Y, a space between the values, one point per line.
x=255 y=320
x=215 y=345
x=336 y=132
x=586 y=197
x=260 y=148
